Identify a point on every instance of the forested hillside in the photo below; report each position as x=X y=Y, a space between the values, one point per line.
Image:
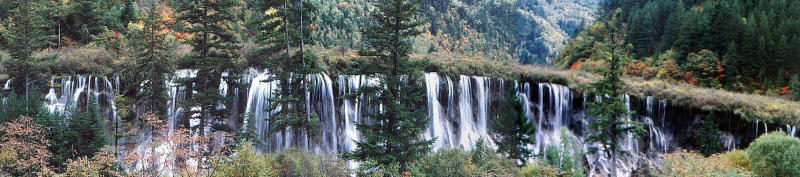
x=531 y=31
x=740 y=45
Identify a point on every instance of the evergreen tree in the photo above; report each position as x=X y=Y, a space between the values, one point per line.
x=393 y=134
x=513 y=128
x=84 y=20
x=794 y=85
x=89 y=128
x=708 y=139
x=128 y=13
x=214 y=48
x=153 y=60
x=611 y=122
x=279 y=27
x=24 y=33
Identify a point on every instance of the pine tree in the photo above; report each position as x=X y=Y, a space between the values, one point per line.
x=280 y=29
x=393 y=134
x=153 y=60
x=513 y=128
x=214 y=48
x=89 y=131
x=708 y=139
x=610 y=121
x=128 y=13
x=24 y=33
x=794 y=85
x=85 y=20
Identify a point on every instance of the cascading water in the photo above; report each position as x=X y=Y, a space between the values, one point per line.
x=7 y=86
x=440 y=127
x=459 y=109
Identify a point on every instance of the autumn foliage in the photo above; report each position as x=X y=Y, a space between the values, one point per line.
x=23 y=150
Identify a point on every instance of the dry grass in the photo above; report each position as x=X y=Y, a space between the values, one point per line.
x=684 y=163
x=748 y=106
x=84 y=59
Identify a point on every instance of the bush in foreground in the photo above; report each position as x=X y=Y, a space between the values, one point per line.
x=775 y=154
x=481 y=161
x=246 y=162
x=685 y=163
x=293 y=162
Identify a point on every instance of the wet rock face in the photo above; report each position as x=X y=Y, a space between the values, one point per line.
x=461 y=110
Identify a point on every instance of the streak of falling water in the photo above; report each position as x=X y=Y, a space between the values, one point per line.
x=7 y=86
x=439 y=127
x=260 y=92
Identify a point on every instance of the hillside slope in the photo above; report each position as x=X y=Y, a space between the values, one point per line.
x=530 y=31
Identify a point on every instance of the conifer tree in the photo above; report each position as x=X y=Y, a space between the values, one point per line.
x=89 y=131
x=24 y=33
x=708 y=139
x=214 y=48
x=610 y=121
x=153 y=60
x=794 y=86
x=513 y=128
x=393 y=134
x=128 y=12
x=279 y=27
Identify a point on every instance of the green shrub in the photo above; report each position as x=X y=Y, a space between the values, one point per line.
x=448 y=162
x=489 y=163
x=775 y=154
x=246 y=162
x=566 y=157
x=293 y=162
x=481 y=161
x=737 y=158
x=373 y=169
x=538 y=169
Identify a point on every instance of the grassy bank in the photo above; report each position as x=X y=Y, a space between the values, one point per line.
x=749 y=106
x=82 y=60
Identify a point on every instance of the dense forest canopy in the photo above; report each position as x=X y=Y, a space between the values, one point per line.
x=741 y=45
x=525 y=31
x=530 y=31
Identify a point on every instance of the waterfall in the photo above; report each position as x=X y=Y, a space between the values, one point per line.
x=74 y=89
x=324 y=104
x=791 y=130
x=461 y=109
x=261 y=90
x=7 y=86
x=439 y=128
x=473 y=120
x=551 y=115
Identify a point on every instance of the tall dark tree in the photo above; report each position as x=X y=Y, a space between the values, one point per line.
x=282 y=34
x=214 y=49
x=794 y=86
x=89 y=131
x=708 y=139
x=128 y=12
x=153 y=60
x=24 y=33
x=513 y=129
x=393 y=134
x=611 y=123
